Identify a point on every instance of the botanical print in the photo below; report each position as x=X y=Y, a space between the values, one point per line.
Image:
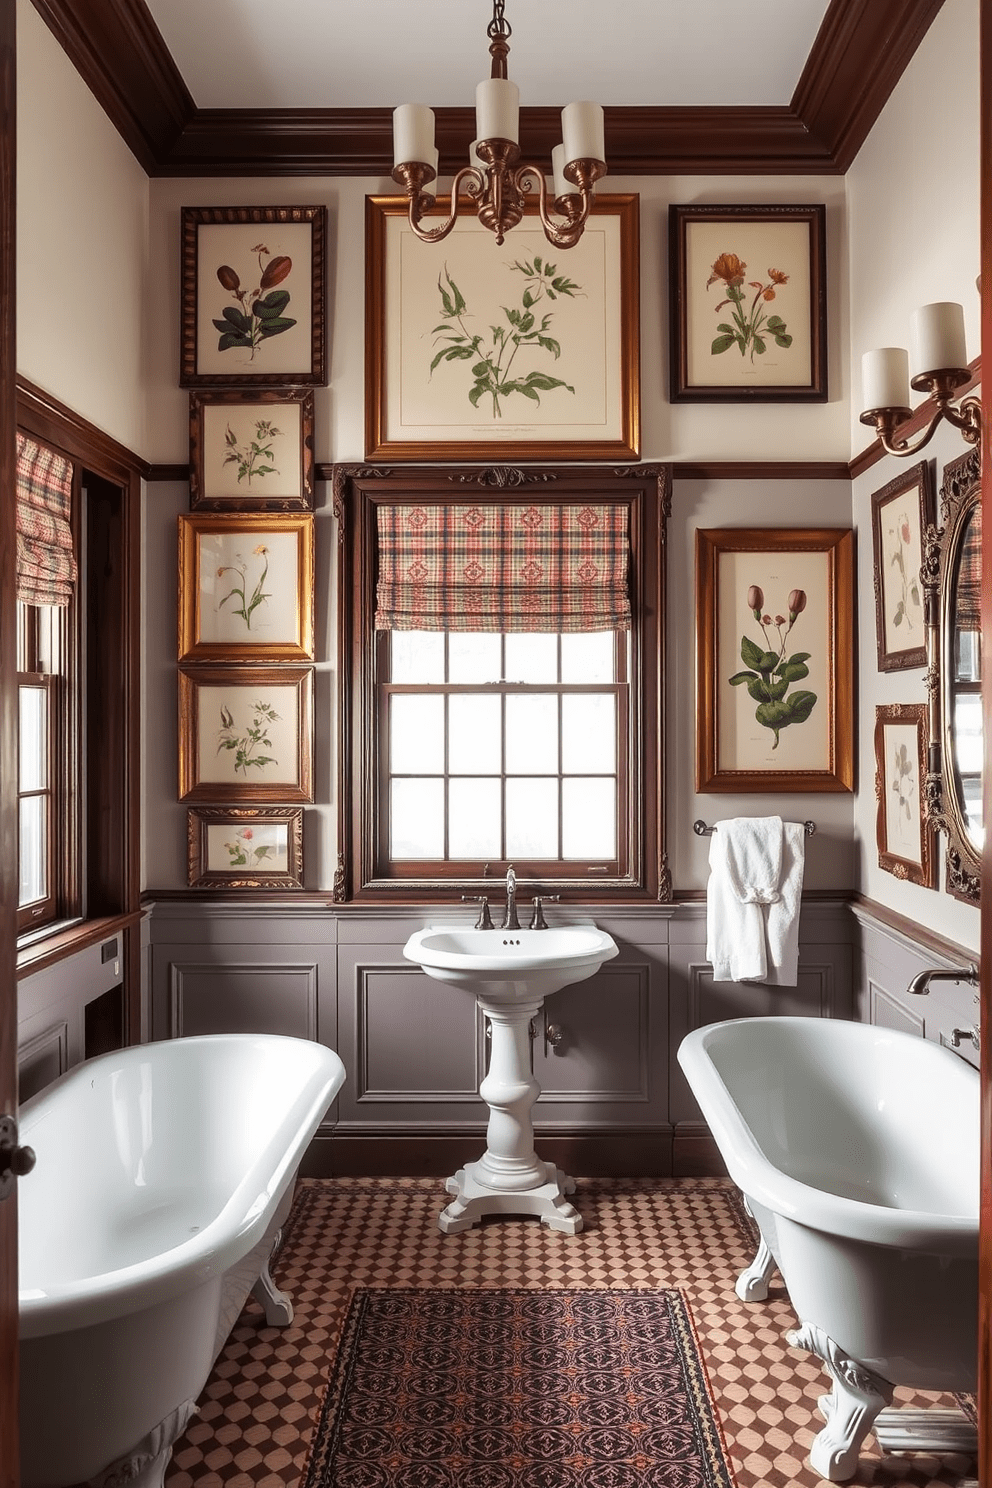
x=247 y=732
x=250 y=456
x=900 y=579
x=252 y=450
x=751 y=325
x=902 y=791
x=492 y=360
x=773 y=672
x=238 y=593
x=249 y=587
x=246 y=741
x=254 y=298
x=262 y=308
x=248 y=847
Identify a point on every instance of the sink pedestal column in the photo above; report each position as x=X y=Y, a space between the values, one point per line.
x=510 y=1178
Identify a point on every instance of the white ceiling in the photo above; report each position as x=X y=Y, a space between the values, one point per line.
x=266 y=54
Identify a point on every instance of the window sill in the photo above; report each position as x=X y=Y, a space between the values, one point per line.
x=38 y=949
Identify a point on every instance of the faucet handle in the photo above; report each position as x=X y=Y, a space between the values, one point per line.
x=538 y=922
x=485 y=920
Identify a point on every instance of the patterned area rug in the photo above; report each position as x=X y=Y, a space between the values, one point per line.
x=518 y=1389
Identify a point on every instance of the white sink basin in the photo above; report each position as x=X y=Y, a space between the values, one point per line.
x=510 y=965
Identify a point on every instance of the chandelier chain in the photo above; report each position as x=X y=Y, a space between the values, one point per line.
x=499 y=25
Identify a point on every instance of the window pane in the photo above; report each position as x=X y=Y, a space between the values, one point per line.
x=588 y=656
x=474 y=656
x=532 y=818
x=473 y=819
x=532 y=734
x=416 y=656
x=474 y=742
x=416 y=735
x=32 y=850
x=531 y=657
x=589 y=818
x=33 y=766
x=417 y=819
x=588 y=732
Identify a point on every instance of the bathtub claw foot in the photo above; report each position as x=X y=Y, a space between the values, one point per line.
x=752 y=1284
x=144 y=1466
x=849 y=1410
x=276 y=1304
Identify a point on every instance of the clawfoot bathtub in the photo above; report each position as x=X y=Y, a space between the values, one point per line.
x=856 y=1149
x=164 y=1173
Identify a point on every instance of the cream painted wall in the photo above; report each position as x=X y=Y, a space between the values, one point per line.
x=82 y=244
x=913 y=238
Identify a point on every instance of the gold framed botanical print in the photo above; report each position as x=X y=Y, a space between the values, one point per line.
x=245 y=587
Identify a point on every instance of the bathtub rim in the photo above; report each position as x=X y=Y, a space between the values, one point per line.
x=834 y=1214
x=232 y=1233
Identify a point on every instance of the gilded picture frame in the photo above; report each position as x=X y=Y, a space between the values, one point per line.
x=774 y=661
x=245 y=847
x=444 y=324
x=900 y=514
x=251 y=449
x=246 y=587
x=253 y=292
x=748 y=303
x=245 y=734
x=904 y=834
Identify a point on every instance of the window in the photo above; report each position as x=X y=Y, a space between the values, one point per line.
x=38 y=663
x=464 y=750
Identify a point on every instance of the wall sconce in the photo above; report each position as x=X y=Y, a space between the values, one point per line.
x=940 y=366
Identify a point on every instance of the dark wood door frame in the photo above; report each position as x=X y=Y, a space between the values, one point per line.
x=985 y=1231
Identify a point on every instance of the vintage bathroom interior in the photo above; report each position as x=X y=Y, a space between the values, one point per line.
x=499 y=744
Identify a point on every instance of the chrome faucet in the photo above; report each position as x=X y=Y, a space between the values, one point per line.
x=510 y=920
x=920 y=985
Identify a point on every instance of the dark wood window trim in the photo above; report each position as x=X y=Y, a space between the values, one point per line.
x=357 y=492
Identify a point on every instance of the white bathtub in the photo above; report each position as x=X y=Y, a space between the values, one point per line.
x=164 y=1172
x=857 y=1150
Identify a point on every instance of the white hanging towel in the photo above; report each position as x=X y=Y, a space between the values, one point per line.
x=752 y=900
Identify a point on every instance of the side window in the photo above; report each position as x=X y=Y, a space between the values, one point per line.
x=38 y=664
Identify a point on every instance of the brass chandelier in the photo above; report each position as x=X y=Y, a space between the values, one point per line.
x=494 y=179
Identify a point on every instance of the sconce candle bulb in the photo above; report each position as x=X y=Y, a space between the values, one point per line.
x=939 y=363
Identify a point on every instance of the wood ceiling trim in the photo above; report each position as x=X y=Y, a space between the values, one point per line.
x=860 y=52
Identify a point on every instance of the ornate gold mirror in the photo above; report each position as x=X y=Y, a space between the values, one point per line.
x=952 y=579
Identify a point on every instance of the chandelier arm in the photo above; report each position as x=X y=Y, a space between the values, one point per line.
x=422 y=201
x=565 y=233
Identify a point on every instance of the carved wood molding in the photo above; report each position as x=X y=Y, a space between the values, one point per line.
x=860 y=52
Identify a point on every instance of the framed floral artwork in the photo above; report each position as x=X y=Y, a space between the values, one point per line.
x=900 y=514
x=245 y=587
x=251 y=450
x=775 y=659
x=253 y=296
x=245 y=734
x=478 y=351
x=748 y=304
x=905 y=836
x=245 y=847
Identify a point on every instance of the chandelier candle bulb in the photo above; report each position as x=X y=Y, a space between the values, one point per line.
x=413 y=134
x=497 y=110
x=885 y=378
x=937 y=338
x=584 y=132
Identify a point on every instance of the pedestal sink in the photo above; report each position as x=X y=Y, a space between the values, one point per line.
x=510 y=972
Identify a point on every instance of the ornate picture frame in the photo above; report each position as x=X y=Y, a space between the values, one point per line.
x=904 y=832
x=774 y=659
x=245 y=734
x=253 y=296
x=251 y=450
x=443 y=325
x=246 y=587
x=245 y=847
x=748 y=301
x=900 y=514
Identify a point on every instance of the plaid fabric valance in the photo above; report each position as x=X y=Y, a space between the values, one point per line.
x=503 y=568
x=968 y=591
x=46 y=564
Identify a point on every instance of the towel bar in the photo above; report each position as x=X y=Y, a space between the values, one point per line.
x=702 y=830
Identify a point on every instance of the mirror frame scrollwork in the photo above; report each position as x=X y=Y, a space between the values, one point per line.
x=960 y=493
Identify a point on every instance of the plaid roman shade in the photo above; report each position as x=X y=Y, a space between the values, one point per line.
x=503 y=568
x=46 y=563
x=968 y=591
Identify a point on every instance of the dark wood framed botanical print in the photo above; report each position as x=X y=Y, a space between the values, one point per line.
x=251 y=450
x=245 y=734
x=904 y=833
x=748 y=304
x=245 y=847
x=443 y=326
x=253 y=296
x=900 y=514
x=775 y=659
x=245 y=587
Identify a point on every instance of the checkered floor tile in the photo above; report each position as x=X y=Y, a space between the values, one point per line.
x=258 y=1411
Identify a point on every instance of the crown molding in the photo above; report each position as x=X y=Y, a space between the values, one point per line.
x=860 y=52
